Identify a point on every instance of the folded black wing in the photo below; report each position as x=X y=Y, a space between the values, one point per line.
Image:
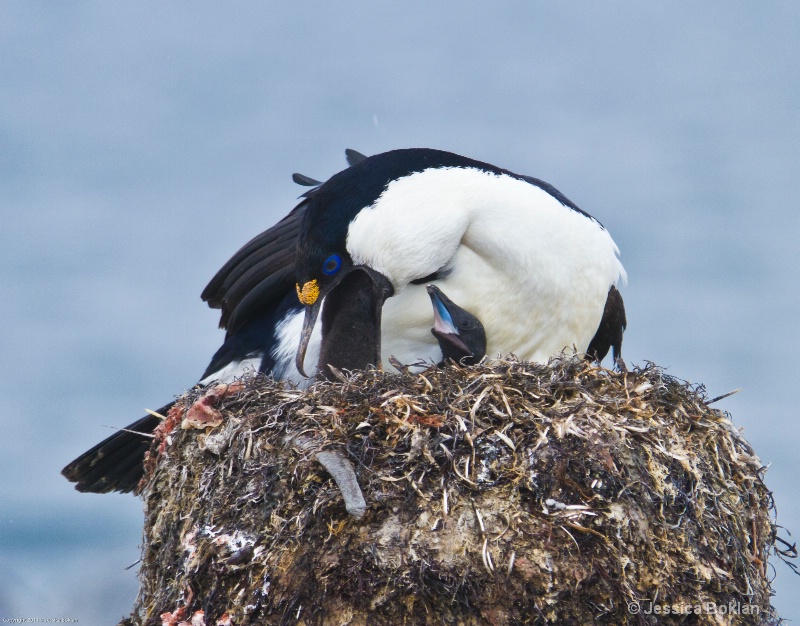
x=259 y=275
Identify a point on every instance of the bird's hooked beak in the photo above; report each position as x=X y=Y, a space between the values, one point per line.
x=312 y=296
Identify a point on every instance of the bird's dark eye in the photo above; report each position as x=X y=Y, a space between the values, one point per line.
x=465 y=324
x=332 y=265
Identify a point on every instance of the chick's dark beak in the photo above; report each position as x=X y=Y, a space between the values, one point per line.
x=444 y=328
x=312 y=295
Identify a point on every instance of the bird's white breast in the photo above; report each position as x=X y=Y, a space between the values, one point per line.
x=287 y=335
x=235 y=369
x=534 y=271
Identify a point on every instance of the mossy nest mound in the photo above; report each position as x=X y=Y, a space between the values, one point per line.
x=505 y=493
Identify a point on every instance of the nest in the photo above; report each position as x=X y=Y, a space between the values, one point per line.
x=505 y=493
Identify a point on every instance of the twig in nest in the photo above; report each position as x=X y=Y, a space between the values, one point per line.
x=398 y=365
x=135 y=432
x=723 y=396
x=338 y=373
x=790 y=552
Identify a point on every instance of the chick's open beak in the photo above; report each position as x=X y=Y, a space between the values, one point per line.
x=443 y=326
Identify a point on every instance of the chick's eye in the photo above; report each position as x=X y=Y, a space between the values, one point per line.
x=332 y=264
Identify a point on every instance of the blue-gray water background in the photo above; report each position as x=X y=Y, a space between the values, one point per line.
x=142 y=143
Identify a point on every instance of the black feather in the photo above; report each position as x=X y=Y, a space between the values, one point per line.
x=354 y=157
x=305 y=181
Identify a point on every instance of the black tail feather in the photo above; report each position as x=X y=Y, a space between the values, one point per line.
x=609 y=333
x=116 y=463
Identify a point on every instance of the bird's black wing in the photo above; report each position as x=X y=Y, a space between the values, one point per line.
x=305 y=181
x=249 y=289
x=261 y=273
x=258 y=276
x=115 y=464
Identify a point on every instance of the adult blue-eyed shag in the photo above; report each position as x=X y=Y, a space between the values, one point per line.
x=513 y=250
x=533 y=267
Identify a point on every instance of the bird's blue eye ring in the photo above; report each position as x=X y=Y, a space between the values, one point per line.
x=332 y=265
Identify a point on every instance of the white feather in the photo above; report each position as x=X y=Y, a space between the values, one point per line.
x=534 y=271
x=235 y=369
x=288 y=333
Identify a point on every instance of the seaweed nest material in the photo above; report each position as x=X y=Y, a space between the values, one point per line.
x=505 y=493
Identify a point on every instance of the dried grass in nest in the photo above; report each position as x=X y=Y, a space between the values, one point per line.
x=506 y=493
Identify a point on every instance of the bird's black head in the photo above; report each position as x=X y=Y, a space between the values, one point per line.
x=335 y=203
x=461 y=335
x=322 y=261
